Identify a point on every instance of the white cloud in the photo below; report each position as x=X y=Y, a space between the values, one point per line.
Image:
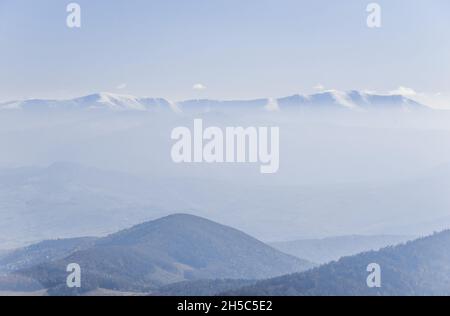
x=199 y=87
x=121 y=86
x=404 y=91
x=319 y=87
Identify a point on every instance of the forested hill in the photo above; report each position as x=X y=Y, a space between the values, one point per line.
x=420 y=267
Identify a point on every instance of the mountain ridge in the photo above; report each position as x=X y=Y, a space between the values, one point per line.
x=332 y=99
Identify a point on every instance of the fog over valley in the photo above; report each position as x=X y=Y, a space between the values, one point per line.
x=97 y=164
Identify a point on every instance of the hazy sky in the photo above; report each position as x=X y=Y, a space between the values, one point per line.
x=227 y=48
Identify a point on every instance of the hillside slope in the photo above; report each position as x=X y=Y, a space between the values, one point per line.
x=421 y=267
x=45 y=251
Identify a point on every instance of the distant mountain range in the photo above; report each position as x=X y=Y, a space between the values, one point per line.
x=333 y=248
x=353 y=100
x=97 y=101
x=420 y=267
x=147 y=256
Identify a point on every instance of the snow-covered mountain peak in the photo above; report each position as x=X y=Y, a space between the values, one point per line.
x=110 y=100
x=330 y=99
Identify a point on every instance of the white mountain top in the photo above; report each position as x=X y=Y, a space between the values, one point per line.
x=355 y=100
x=111 y=101
x=332 y=99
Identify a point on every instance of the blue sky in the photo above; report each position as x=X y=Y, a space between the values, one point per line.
x=234 y=48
